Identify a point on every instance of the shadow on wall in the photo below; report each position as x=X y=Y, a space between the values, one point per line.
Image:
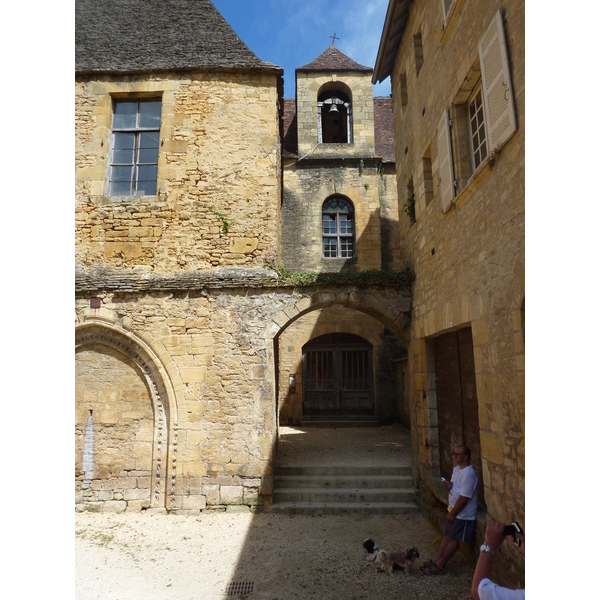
x=336 y=370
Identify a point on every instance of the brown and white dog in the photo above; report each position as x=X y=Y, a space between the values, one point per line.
x=386 y=561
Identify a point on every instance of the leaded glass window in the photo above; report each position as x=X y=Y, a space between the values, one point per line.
x=135 y=141
x=338 y=228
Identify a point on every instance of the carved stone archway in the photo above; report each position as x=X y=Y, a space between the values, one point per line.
x=162 y=393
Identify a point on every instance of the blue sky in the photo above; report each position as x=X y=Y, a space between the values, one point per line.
x=291 y=33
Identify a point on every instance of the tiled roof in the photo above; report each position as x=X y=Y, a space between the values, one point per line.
x=384 y=128
x=334 y=60
x=383 y=123
x=126 y=36
x=290 y=129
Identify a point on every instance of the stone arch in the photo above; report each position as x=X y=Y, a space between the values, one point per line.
x=162 y=384
x=334 y=102
x=391 y=309
x=389 y=306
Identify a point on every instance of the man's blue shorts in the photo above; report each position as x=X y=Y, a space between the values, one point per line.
x=461 y=530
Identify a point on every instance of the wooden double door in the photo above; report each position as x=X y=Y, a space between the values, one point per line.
x=337 y=375
x=457 y=404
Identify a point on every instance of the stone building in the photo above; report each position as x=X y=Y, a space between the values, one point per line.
x=339 y=213
x=458 y=85
x=179 y=307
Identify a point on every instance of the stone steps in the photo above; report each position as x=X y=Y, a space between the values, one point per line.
x=336 y=421
x=341 y=508
x=343 y=481
x=343 y=489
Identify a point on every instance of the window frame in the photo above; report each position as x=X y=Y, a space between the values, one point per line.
x=137 y=131
x=338 y=236
x=480 y=109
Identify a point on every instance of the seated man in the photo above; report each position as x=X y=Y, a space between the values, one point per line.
x=462 y=509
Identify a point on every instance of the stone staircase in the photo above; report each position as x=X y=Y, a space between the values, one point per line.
x=339 y=421
x=343 y=489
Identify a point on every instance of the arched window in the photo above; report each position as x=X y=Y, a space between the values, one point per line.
x=335 y=117
x=338 y=228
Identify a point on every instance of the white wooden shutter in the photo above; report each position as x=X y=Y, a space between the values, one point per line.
x=445 y=162
x=446 y=6
x=498 y=100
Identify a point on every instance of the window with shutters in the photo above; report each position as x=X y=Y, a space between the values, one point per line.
x=338 y=228
x=134 y=147
x=447 y=7
x=480 y=120
x=450 y=10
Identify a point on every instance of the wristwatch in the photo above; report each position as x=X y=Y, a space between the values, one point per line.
x=486 y=548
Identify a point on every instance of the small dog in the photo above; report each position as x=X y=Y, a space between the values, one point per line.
x=386 y=561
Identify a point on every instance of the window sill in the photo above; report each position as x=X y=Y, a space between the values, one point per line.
x=473 y=183
x=450 y=22
x=123 y=199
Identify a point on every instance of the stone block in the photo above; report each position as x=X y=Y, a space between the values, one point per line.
x=136 y=494
x=193 y=374
x=126 y=250
x=267 y=486
x=211 y=493
x=251 y=497
x=232 y=494
x=232 y=508
x=491 y=447
x=480 y=332
x=134 y=506
x=114 y=506
x=243 y=245
x=193 y=502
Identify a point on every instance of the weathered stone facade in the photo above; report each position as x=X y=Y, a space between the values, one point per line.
x=181 y=323
x=469 y=260
x=181 y=388
x=374 y=196
x=218 y=161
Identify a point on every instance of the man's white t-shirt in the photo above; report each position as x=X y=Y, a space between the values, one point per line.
x=490 y=591
x=464 y=483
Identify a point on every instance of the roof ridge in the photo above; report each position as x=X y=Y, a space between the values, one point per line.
x=333 y=59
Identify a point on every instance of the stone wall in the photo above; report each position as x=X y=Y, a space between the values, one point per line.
x=469 y=262
x=374 y=197
x=202 y=361
x=218 y=164
x=111 y=394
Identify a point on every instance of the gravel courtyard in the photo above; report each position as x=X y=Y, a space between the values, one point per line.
x=163 y=557
x=145 y=556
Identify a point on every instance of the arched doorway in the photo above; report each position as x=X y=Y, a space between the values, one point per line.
x=337 y=371
x=124 y=425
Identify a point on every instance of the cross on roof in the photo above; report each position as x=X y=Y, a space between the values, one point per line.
x=334 y=38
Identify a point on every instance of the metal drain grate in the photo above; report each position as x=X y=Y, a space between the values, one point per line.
x=239 y=587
